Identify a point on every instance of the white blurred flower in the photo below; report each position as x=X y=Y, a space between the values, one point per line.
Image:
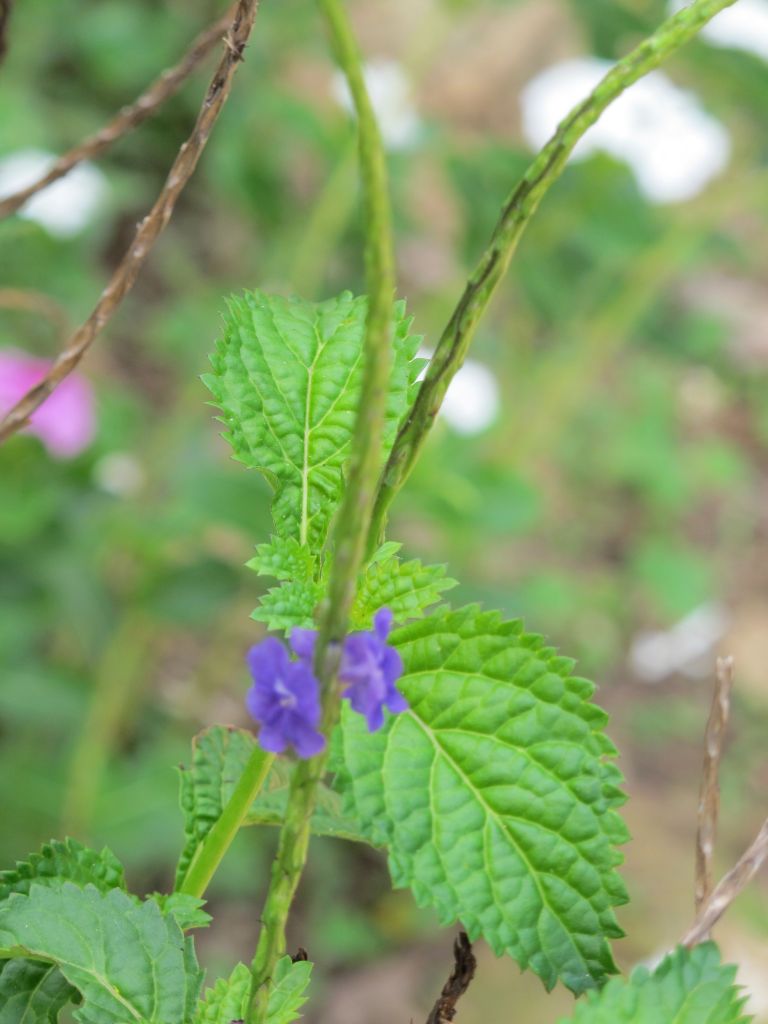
x=63 y=208
x=119 y=474
x=390 y=93
x=686 y=647
x=471 y=403
x=743 y=26
x=672 y=144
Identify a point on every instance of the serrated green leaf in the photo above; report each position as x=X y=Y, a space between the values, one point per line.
x=219 y=756
x=186 y=910
x=227 y=1001
x=493 y=795
x=129 y=962
x=407 y=588
x=688 y=987
x=285 y=559
x=67 y=860
x=291 y=604
x=287 y=376
x=32 y=992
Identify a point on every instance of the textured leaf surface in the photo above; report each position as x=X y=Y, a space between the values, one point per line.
x=291 y=604
x=30 y=989
x=128 y=961
x=186 y=910
x=32 y=992
x=493 y=793
x=408 y=588
x=286 y=376
x=688 y=987
x=66 y=860
x=285 y=559
x=219 y=755
x=227 y=1000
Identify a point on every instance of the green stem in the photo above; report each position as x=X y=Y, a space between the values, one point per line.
x=515 y=215
x=211 y=851
x=353 y=521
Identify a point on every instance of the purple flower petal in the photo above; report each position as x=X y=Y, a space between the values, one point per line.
x=303 y=642
x=66 y=421
x=370 y=668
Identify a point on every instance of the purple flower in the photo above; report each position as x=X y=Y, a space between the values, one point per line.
x=370 y=668
x=284 y=700
x=65 y=422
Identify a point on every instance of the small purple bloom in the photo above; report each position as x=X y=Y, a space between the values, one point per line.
x=370 y=668
x=65 y=422
x=284 y=700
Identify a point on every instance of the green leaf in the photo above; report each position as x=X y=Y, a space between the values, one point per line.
x=493 y=793
x=285 y=559
x=219 y=755
x=287 y=377
x=129 y=962
x=186 y=910
x=227 y=1001
x=32 y=992
x=67 y=860
x=688 y=987
x=408 y=588
x=291 y=604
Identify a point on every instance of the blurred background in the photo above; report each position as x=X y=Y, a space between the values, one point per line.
x=600 y=468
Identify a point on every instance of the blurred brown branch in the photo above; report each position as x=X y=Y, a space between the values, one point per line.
x=150 y=228
x=729 y=888
x=130 y=117
x=36 y=302
x=464 y=966
x=5 y=17
x=709 y=793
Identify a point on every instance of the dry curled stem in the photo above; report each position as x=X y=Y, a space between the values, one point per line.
x=149 y=229
x=130 y=117
x=729 y=888
x=709 y=793
x=464 y=966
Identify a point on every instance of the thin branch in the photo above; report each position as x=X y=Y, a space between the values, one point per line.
x=36 y=302
x=130 y=117
x=5 y=17
x=709 y=793
x=464 y=966
x=515 y=216
x=352 y=524
x=729 y=888
x=150 y=228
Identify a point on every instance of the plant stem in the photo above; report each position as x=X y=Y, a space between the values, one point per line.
x=515 y=215
x=211 y=851
x=353 y=521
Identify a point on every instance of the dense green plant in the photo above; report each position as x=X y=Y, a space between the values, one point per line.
x=494 y=793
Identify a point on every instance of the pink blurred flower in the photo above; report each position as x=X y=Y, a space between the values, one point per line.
x=65 y=422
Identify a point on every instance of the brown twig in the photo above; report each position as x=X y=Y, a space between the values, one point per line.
x=5 y=16
x=729 y=888
x=130 y=117
x=149 y=229
x=709 y=793
x=36 y=302
x=464 y=966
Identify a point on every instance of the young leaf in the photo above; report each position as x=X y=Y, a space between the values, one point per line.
x=186 y=910
x=227 y=1001
x=408 y=588
x=219 y=756
x=68 y=861
x=287 y=376
x=32 y=992
x=688 y=987
x=493 y=794
x=129 y=962
x=285 y=559
x=291 y=604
